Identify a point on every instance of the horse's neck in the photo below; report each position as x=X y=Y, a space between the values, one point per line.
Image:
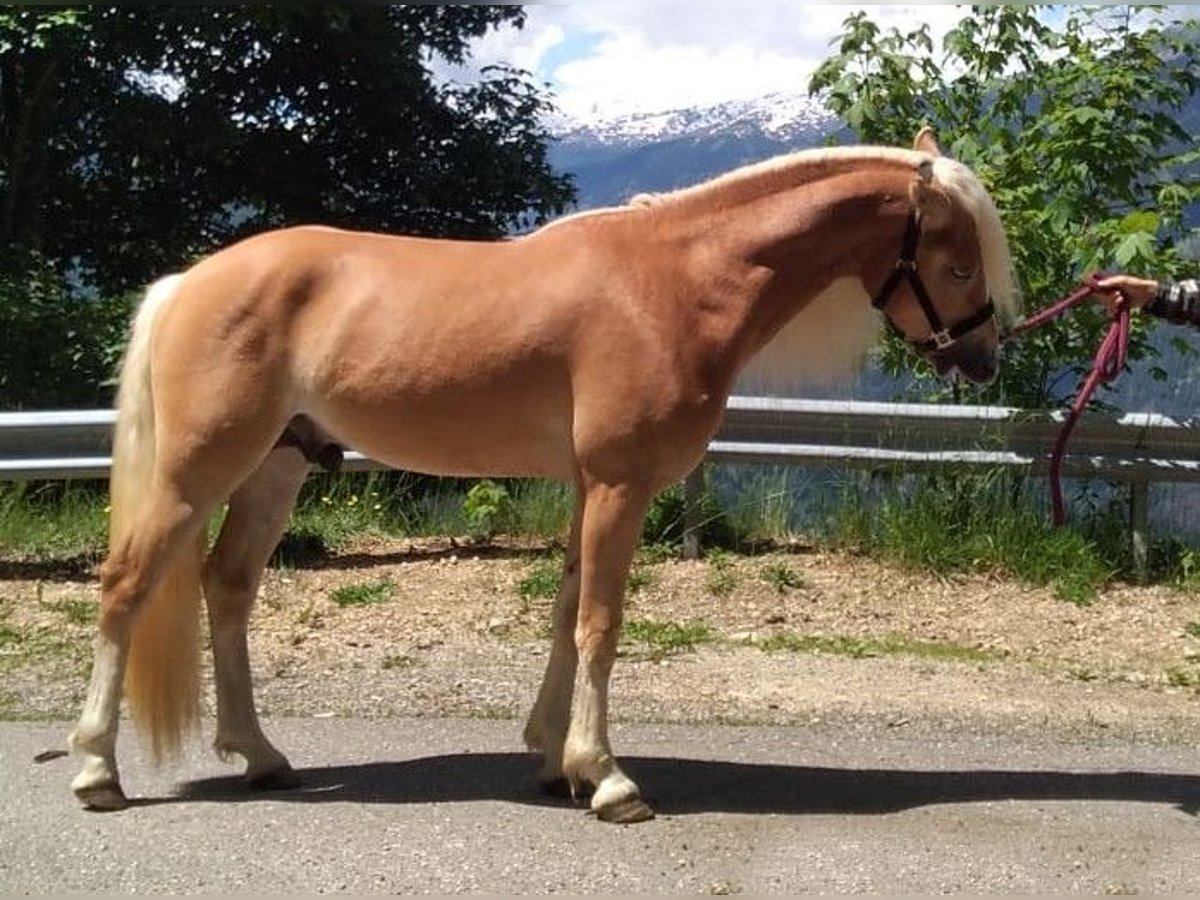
x=782 y=250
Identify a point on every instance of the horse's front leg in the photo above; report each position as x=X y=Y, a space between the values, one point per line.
x=610 y=528
x=546 y=730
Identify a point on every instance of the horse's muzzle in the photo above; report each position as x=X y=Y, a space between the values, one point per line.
x=977 y=361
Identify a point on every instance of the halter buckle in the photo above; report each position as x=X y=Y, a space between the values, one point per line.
x=906 y=265
x=942 y=339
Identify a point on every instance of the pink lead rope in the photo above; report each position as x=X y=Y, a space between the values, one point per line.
x=1107 y=364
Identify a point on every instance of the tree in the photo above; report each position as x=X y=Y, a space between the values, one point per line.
x=135 y=139
x=1073 y=131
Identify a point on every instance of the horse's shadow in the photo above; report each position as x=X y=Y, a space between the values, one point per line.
x=681 y=787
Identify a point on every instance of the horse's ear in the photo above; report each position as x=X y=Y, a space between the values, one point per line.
x=926 y=142
x=927 y=196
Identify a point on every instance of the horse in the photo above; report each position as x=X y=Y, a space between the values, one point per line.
x=598 y=350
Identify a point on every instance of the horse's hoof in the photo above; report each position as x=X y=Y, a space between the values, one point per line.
x=625 y=812
x=102 y=797
x=282 y=779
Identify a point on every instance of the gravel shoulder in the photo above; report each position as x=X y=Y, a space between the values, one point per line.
x=873 y=643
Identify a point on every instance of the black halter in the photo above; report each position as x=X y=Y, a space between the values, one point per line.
x=940 y=336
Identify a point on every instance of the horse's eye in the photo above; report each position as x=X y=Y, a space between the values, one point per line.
x=961 y=274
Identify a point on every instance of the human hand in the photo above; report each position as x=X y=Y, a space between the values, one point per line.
x=1136 y=292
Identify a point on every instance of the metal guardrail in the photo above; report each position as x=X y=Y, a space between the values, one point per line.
x=1135 y=448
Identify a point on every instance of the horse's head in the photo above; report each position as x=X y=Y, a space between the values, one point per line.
x=952 y=271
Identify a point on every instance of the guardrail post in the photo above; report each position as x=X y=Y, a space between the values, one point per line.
x=1139 y=528
x=693 y=491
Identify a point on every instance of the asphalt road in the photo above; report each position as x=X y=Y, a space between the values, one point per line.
x=452 y=806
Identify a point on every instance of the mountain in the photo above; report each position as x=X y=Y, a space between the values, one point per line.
x=613 y=159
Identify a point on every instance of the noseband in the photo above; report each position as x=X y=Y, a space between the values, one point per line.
x=940 y=336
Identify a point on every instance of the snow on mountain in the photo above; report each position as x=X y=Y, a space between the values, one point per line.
x=780 y=116
x=612 y=159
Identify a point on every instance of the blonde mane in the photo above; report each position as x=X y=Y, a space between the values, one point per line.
x=953 y=175
x=809 y=349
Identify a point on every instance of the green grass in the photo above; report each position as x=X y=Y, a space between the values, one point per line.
x=943 y=524
x=765 y=507
x=862 y=648
x=1192 y=629
x=963 y=523
x=664 y=638
x=363 y=593
x=53 y=521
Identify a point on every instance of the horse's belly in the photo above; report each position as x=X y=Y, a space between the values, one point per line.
x=459 y=440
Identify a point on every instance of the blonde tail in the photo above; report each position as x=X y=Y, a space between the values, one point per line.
x=162 y=676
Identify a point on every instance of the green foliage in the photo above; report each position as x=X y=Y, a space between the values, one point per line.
x=665 y=523
x=487 y=508
x=363 y=593
x=1072 y=130
x=191 y=125
x=59 y=350
x=135 y=140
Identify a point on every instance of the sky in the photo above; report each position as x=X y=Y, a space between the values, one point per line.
x=607 y=59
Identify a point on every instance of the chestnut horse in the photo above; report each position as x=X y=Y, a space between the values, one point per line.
x=598 y=350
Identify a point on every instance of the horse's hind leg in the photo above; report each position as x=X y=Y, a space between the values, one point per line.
x=546 y=729
x=258 y=512
x=163 y=530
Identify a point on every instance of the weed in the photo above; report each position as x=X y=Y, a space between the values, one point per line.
x=77 y=610
x=363 y=593
x=9 y=636
x=398 y=661
x=781 y=576
x=1179 y=676
x=1192 y=629
x=862 y=648
x=651 y=554
x=668 y=637
x=639 y=579
x=721 y=579
x=542 y=581
x=721 y=583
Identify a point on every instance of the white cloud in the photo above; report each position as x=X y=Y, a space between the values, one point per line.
x=607 y=59
x=603 y=59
